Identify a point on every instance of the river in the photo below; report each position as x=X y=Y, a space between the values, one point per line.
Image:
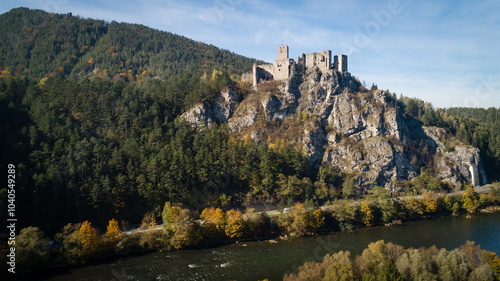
x=271 y=259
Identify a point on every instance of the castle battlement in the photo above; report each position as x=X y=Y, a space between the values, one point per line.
x=284 y=66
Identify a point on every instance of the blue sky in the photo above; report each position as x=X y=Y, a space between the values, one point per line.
x=445 y=52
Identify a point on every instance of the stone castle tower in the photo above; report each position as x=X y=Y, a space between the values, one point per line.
x=283 y=65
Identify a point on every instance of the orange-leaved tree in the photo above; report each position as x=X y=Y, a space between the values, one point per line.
x=215 y=221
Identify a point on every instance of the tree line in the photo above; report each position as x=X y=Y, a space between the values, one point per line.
x=388 y=261
x=40 y=44
x=93 y=148
x=185 y=227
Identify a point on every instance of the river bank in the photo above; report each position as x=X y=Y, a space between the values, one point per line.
x=264 y=259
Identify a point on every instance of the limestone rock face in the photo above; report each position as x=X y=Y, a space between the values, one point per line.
x=360 y=133
x=208 y=112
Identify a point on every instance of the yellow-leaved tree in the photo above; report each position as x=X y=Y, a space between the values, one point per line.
x=470 y=200
x=215 y=221
x=414 y=207
x=235 y=224
x=113 y=233
x=430 y=205
x=316 y=219
x=89 y=240
x=367 y=213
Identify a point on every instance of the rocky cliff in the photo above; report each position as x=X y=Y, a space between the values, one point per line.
x=336 y=123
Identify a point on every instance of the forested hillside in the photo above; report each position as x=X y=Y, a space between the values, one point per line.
x=40 y=44
x=95 y=136
x=480 y=128
x=98 y=149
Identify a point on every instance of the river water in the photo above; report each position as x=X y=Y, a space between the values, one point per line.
x=271 y=259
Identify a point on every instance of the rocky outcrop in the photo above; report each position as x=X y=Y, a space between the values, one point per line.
x=360 y=133
x=217 y=111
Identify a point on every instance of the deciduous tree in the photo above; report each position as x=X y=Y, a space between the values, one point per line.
x=113 y=232
x=89 y=240
x=235 y=224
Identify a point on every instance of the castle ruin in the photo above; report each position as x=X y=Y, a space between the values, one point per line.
x=283 y=66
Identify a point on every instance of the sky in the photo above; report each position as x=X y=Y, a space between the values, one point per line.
x=445 y=52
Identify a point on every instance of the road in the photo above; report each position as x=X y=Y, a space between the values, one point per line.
x=480 y=189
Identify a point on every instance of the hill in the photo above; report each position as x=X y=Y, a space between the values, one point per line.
x=93 y=138
x=338 y=124
x=40 y=44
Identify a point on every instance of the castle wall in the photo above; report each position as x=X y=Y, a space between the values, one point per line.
x=323 y=60
x=340 y=63
x=283 y=65
x=263 y=72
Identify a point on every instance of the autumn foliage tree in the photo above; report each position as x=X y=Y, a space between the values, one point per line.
x=179 y=227
x=89 y=240
x=149 y=237
x=316 y=219
x=113 y=233
x=235 y=224
x=299 y=221
x=215 y=221
x=470 y=200
x=367 y=213
x=430 y=206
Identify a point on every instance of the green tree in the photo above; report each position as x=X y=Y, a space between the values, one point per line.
x=339 y=267
x=347 y=215
x=184 y=230
x=413 y=265
x=69 y=237
x=452 y=265
x=348 y=189
x=31 y=248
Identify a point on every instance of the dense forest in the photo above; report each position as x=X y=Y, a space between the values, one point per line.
x=89 y=115
x=38 y=44
x=100 y=149
x=480 y=128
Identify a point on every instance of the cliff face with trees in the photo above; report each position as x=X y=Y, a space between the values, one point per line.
x=335 y=122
